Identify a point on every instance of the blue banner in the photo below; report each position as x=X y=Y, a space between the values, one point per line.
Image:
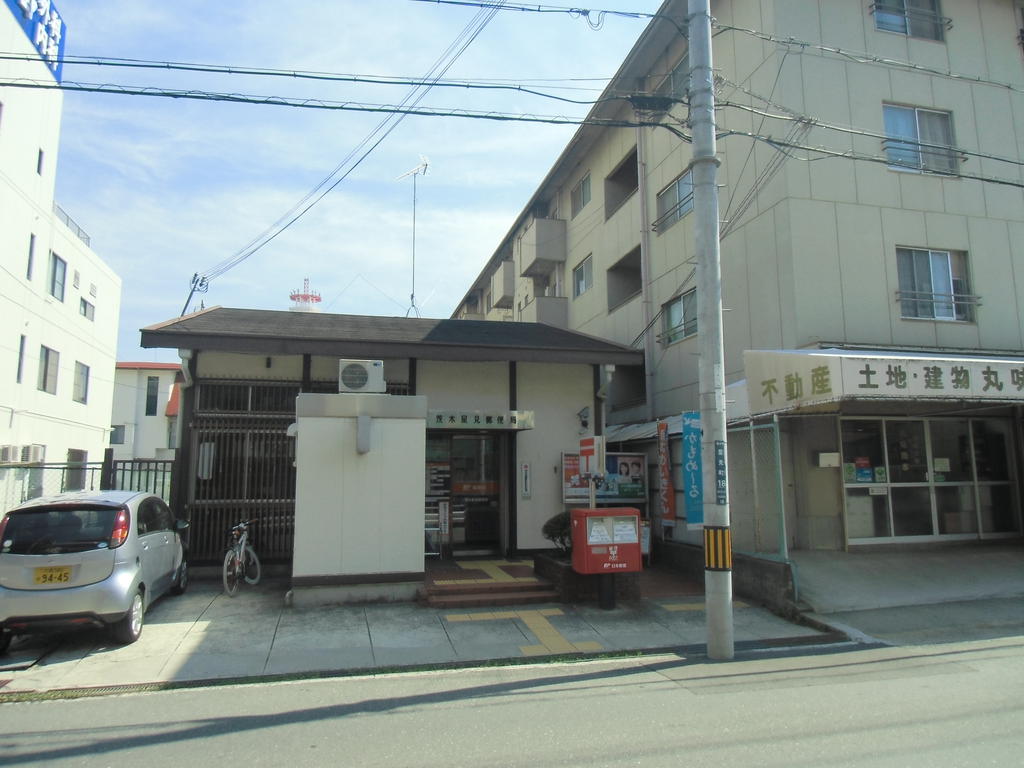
x=44 y=28
x=693 y=479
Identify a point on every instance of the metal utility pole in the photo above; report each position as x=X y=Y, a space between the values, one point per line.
x=717 y=536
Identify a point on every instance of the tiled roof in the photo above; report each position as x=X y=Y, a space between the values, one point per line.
x=273 y=332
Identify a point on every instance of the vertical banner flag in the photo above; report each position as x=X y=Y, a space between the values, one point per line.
x=666 y=492
x=693 y=480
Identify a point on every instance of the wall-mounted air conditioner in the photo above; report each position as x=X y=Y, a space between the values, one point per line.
x=361 y=376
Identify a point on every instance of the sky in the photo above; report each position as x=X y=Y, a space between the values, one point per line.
x=167 y=188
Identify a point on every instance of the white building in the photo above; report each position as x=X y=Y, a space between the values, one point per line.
x=872 y=262
x=145 y=415
x=59 y=301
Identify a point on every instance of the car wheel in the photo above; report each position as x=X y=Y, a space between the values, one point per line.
x=129 y=629
x=5 y=640
x=181 y=583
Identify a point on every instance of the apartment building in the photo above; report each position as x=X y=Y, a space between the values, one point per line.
x=144 y=421
x=872 y=205
x=59 y=301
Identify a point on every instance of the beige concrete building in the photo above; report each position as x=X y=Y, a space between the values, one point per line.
x=872 y=260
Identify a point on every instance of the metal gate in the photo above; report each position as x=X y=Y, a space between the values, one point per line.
x=756 y=492
x=242 y=467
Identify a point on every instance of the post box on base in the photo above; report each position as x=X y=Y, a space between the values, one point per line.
x=606 y=540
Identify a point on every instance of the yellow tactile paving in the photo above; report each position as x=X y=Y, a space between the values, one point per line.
x=550 y=639
x=507 y=578
x=494 y=570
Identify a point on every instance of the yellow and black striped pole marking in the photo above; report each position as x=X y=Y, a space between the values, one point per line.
x=717 y=548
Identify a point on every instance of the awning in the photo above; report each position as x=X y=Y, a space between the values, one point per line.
x=786 y=380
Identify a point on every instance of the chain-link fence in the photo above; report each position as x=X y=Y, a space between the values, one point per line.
x=756 y=498
x=20 y=482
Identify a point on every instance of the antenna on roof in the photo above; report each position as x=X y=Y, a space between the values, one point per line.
x=419 y=169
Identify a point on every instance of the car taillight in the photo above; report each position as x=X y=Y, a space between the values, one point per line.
x=120 y=532
x=3 y=525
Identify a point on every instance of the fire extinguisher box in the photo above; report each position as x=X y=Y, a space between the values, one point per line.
x=606 y=540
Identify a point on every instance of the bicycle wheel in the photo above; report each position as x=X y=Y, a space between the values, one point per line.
x=252 y=566
x=231 y=572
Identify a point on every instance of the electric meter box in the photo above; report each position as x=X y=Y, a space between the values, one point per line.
x=606 y=540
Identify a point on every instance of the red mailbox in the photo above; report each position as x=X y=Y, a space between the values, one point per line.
x=606 y=540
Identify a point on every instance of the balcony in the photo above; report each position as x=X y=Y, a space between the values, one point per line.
x=543 y=247
x=503 y=285
x=551 y=310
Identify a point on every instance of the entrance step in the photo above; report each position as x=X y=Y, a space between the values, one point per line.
x=475 y=593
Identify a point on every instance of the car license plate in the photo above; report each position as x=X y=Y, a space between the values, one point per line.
x=57 y=574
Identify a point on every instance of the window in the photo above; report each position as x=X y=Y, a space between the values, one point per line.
x=933 y=284
x=916 y=18
x=77 y=279
x=677 y=84
x=49 y=361
x=39 y=163
x=81 y=393
x=620 y=185
x=580 y=195
x=86 y=310
x=674 y=202
x=919 y=139
x=31 y=255
x=624 y=279
x=117 y=434
x=152 y=387
x=58 y=274
x=582 y=277
x=75 y=477
x=680 y=317
x=21 y=358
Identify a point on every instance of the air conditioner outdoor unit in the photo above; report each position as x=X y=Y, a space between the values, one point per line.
x=32 y=454
x=361 y=376
x=10 y=454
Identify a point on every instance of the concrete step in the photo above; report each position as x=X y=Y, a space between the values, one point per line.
x=470 y=586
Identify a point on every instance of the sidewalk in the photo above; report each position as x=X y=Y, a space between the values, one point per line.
x=205 y=636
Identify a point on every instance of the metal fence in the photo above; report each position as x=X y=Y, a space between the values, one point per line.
x=21 y=482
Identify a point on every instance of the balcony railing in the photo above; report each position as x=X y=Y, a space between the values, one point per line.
x=70 y=224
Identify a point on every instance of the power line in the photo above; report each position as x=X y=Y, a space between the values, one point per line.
x=795 y=45
x=228 y=69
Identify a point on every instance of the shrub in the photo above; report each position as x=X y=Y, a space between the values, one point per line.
x=558 y=530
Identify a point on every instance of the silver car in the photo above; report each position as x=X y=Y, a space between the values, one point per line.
x=97 y=558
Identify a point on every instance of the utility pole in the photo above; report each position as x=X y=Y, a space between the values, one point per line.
x=717 y=535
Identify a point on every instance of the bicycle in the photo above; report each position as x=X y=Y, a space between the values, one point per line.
x=240 y=561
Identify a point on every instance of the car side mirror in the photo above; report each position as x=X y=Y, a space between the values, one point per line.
x=181 y=525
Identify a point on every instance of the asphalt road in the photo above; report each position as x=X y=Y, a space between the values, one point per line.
x=930 y=705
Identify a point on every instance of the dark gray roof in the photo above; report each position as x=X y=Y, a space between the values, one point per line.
x=266 y=332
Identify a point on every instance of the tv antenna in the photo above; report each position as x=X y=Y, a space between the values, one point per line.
x=420 y=169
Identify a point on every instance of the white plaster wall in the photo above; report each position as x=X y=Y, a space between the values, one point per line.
x=463 y=386
x=555 y=393
x=146 y=437
x=30 y=122
x=357 y=513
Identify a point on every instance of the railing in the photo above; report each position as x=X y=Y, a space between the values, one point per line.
x=938 y=306
x=21 y=482
x=894 y=16
x=70 y=224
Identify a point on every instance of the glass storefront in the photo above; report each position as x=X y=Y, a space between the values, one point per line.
x=463 y=503
x=928 y=478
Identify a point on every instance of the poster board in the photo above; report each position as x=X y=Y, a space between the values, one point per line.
x=625 y=479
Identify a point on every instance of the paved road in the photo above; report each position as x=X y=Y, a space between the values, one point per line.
x=937 y=705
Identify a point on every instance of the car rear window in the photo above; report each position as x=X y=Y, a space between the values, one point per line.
x=48 y=531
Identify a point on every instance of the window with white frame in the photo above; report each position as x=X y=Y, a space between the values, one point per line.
x=934 y=285
x=915 y=18
x=582 y=277
x=674 y=202
x=81 y=390
x=919 y=139
x=117 y=434
x=58 y=274
x=580 y=195
x=86 y=309
x=49 y=363
x=680 y=317
x=677 y=84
